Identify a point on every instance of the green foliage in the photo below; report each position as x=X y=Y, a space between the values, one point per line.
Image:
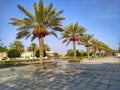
x=78 y=53
x=78 y=60
x=11 y=62
x=43 y=16
x=56 y=55
x=70 y=53
x=13 y=53
x=44 y=63
x=17 y=44
x=72 y=30
x=3 y=48
x=37 y=54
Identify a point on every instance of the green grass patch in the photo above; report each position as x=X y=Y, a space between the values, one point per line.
x=78 y=60
x=44 y=63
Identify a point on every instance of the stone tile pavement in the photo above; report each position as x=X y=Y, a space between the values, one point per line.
x=99 y=74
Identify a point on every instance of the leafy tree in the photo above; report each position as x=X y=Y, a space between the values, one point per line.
x=45 y=17
x=3 y=48
x=70 y=53
x=78 y=54
x=37 y=53
x=56 y=55
x=13 y=53
x=72 y=34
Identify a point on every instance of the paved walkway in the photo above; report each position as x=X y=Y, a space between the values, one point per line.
x=99 y=74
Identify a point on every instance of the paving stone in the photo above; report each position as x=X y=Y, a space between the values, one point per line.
x=86 y=75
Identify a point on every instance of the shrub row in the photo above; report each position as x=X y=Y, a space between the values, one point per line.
x=78 y=60
x=11 y=62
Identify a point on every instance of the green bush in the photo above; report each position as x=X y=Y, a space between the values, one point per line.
x=11 y=62
x=13 y=53
x=37 y=53
x=44 y=63
x=78 y=60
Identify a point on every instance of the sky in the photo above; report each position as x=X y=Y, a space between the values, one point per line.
x=99 y=17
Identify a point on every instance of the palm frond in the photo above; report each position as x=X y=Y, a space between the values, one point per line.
x=59 y=12
x=28 y=36
x=22 y=34
x=26 y=12
x=58 y=29
x=49 y=7
x=33 y=37
x=41 y=11
x=65 y=40
x=53 y=33
x=67 y=43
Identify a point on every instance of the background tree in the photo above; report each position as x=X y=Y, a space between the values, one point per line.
x=37 y=53
x=72 y=33
x=95 y=44
x=3 y=48
x=17 y=44
x=46 y=47
x=13 y=53
x=86 y=40
x=56 y=55
x=45 y=17
x=32 y=48
x=70 y=52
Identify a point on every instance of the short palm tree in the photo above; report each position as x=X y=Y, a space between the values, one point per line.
x=45 y=18
x=72 y=33
x=86 y=40
x=17 y=44
x=32 y=48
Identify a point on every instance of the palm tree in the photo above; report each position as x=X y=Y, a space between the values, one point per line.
x=86 y=40
x=32 y=48
x=17 y=44
x=95 y=44
x=72 y=33
x=45 y=17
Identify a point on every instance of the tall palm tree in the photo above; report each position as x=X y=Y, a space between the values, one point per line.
x=45 y=17
x=17 y=44
x=32 y=48
x=86 y=40
x=72 y=33
x=95 y=44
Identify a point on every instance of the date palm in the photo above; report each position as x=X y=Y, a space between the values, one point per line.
x=43 y=22
x=95 y=44
x=72 y=34
x=86 y=40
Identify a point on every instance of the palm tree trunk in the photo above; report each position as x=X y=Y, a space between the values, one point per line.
x=33 y=54
x=88 y=52
x=74 y=47
x=41 y=43
x=95 y=53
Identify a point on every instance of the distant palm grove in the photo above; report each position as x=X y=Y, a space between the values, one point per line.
x=46 y=20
